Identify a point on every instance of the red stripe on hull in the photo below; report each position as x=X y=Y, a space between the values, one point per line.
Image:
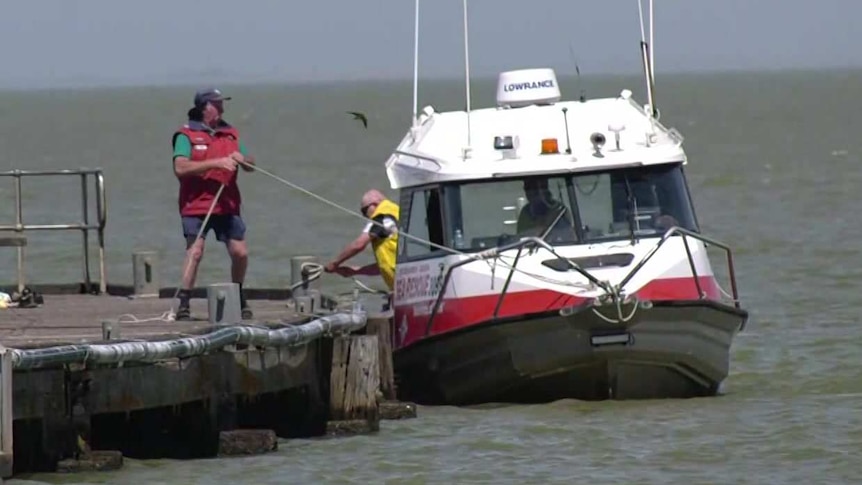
x=411 y=321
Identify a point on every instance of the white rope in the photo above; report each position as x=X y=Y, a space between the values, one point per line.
x=170 y=316
x=315 y=270
x=314 y=273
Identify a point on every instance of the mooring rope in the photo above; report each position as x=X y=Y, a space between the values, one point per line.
x=475 y=256
x=490 y=257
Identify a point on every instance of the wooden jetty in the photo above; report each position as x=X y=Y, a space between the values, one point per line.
x=99 y=371
x=86 y=379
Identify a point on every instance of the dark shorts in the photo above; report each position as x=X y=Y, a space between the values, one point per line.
x=226 y=227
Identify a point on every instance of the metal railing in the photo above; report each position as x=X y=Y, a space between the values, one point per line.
x=493 y=253
x=84 y=226
x=611 y=290
x=685 y=233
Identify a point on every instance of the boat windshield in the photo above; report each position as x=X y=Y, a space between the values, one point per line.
x=487 y=214
x=643 y=201
x=568 y=209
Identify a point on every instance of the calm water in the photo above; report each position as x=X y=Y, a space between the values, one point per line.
x=774 y=170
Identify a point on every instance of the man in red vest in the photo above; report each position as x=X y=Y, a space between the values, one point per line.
x=207 y=151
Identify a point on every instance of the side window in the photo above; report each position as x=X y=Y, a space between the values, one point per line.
x=421 y=217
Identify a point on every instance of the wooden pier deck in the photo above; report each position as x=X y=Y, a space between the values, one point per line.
x=62 y=415
x=76 y=318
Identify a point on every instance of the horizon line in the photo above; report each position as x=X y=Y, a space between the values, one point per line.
x=329 y=81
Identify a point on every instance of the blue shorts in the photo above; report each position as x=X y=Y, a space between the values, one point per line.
x=226 y=227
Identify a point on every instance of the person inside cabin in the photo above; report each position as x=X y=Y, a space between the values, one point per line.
x=207 y=152
x=381 y=232
x=541 y=210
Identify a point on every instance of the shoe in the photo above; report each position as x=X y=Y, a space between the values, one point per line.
x=183 y=313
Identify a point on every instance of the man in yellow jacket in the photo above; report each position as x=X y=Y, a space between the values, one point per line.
x=381 y=232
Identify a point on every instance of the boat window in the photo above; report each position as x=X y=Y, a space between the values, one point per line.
x=488 y=214
x=424 y=220
x=646 y=200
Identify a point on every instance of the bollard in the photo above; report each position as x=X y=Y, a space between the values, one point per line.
x=296 y=275
x=145 y=274
x=223 y=304
x=316 y=300
x=304 y=304
x=110 y=330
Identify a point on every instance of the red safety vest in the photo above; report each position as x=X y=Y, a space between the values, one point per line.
x=197 y=191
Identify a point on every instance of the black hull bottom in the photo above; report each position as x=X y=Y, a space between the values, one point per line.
x=672 y=350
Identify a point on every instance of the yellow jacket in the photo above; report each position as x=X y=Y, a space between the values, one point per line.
x=385 y=250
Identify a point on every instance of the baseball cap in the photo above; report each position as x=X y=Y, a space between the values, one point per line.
x=206 y=95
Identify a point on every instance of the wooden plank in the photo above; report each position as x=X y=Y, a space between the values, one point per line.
x=355 y=380
x=64 y=319
x=381 y=327
x=338 y=378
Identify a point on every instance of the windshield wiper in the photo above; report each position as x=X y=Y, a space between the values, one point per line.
x=547 y=229
x=631 y=201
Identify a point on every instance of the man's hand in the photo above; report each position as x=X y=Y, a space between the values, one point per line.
x=247 y=166
x=346 y=271
x=226 y=163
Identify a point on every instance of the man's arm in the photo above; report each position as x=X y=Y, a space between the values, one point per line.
x=183 y=166
x=370 y=269
x=352 y=249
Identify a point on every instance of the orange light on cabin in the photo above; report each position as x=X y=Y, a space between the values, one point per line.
x=549 y=145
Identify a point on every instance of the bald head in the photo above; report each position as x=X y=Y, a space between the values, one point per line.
x=373 y=196
x=371 y=199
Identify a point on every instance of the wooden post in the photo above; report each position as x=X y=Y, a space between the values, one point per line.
x=380 y=326
x=354 y=383
x=6 y=417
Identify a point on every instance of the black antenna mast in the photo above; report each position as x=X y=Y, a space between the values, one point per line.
x=583 y=97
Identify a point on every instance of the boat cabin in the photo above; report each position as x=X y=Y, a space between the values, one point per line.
x=564 y=209
x=538 y=166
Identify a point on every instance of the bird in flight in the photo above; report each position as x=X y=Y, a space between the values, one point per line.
x=359 y=116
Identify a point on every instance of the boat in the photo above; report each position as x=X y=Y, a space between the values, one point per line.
x=549 y=249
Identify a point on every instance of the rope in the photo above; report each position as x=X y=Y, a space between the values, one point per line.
x=476 y=256
x=170 y=316
x=619 y=307
x=316 y=270
x=314 y=273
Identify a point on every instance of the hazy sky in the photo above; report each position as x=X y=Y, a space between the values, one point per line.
x=73 y=42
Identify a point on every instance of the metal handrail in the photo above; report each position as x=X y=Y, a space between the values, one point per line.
x=493 y=253
x=84 y=226
x=535 y=241
x=707 y=240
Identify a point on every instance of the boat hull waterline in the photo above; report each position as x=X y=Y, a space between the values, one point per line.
x=669 y=349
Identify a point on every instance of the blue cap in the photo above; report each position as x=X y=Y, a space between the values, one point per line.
x=204 y=96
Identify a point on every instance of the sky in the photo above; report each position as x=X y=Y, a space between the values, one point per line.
x=58 y=43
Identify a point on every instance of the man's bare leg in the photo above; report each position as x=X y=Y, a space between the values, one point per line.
x=194 y=254
x=238 y=251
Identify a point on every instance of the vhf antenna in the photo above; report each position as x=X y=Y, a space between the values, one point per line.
x=583 y=97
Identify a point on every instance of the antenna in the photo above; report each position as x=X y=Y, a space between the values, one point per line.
x=467 y=75
x=577 y=72
x=416 y=65
x=566 y=121
x=580 y=89
x=651 y=43
x=647 y=63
